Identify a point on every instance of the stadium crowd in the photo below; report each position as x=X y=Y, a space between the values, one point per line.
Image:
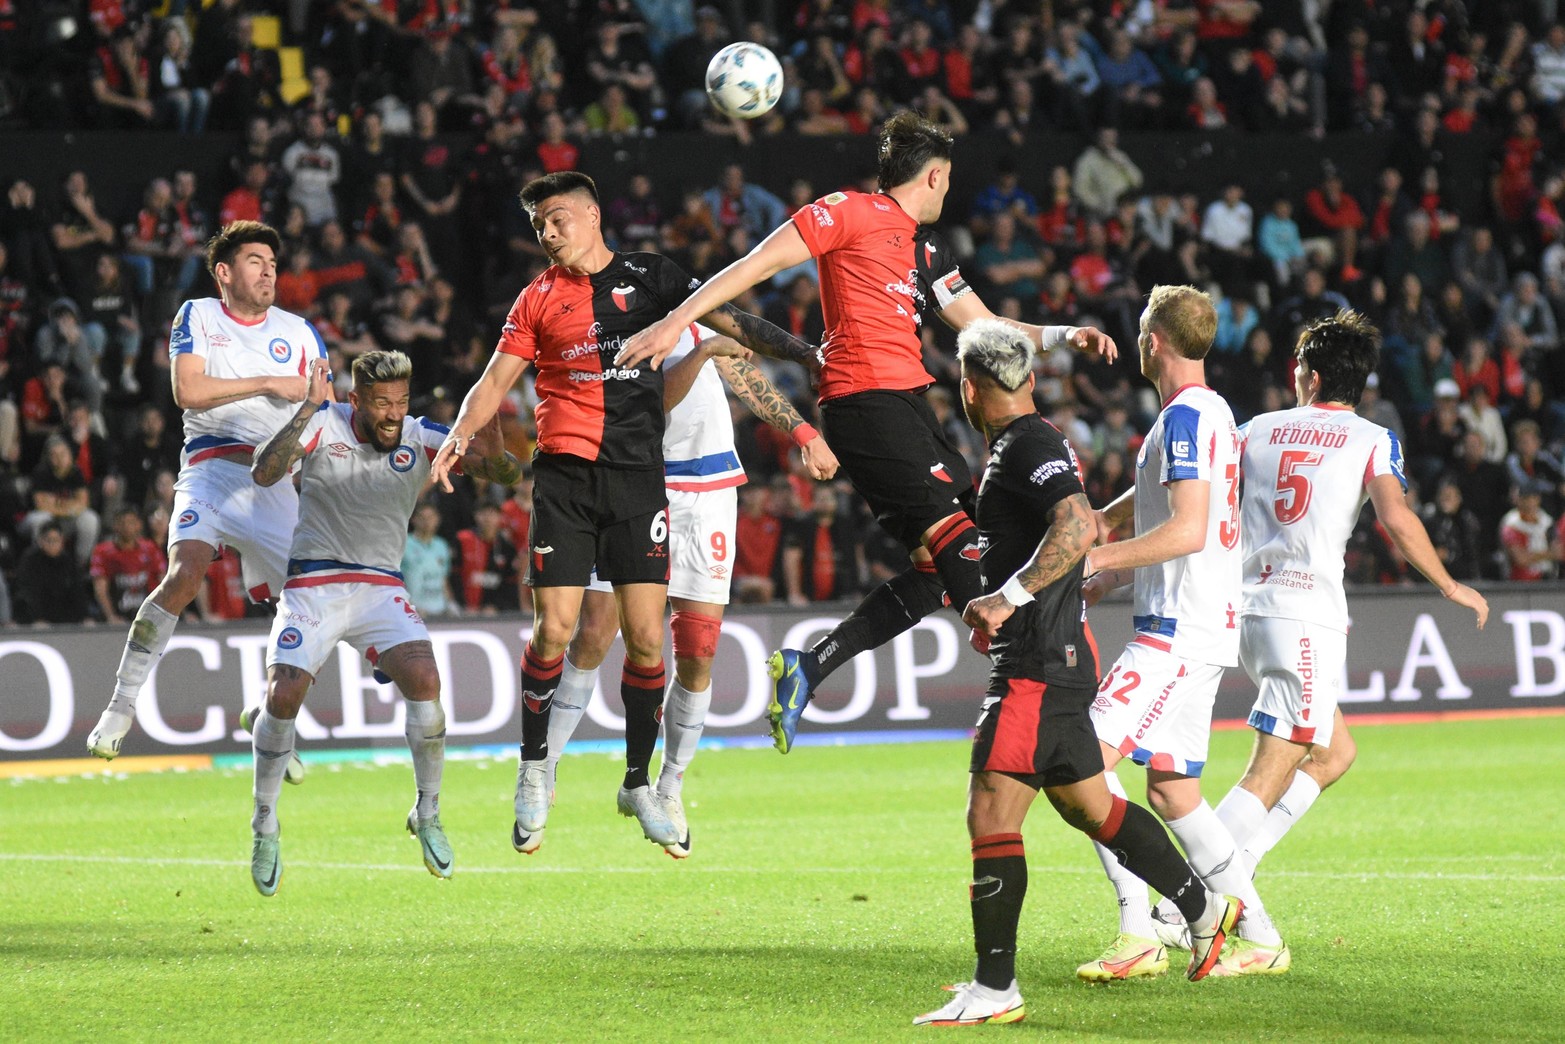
x=390 y=167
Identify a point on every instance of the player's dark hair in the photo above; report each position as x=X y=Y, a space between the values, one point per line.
x=1185 y=317
x=1344 y=350
x=374 y=368
x=221 y=248
x=907 y=143
x=557 y=184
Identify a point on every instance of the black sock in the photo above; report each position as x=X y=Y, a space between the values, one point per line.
x=642 y=690
x=1144 y=848
x=540 y=678
x=885 y=612
x=998 y=888
x=954 y=547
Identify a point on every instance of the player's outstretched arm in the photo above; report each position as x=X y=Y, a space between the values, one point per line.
x=752 y=387
x=489 y=459
x=1071 y=532
x=1088 y=340
x=681 y=377
x=195 y=389
x=478 y=408
x=283 y=450
x=1183 y=533
x=782 y=249
x=1412 y=539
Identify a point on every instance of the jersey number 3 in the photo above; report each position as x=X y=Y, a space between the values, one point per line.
x=1293 y=486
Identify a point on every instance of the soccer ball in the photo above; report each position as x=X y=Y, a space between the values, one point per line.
x=744 y=80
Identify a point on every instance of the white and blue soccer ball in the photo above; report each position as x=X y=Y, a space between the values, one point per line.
x=744 y=80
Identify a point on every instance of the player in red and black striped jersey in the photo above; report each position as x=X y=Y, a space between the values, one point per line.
x=1035 y=731
x=882 y=267
x=598 y=488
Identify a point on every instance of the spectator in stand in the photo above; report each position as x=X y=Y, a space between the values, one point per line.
x=735 y=202
x=152 y=449
x=426 y=564
x=91 y=452
x=180 y=98
x=1548 y=64
x=1480 y=416
x=313 y=167
x=1530 y=310
x=441 y=74
x=970 y=77
x=75 y=346
x=1486 y=489
x=125 y=568
x=1205 y=111
x=685 y=62
x=348 y=268
x=757 y=539
x=1103 y=175
x=1480 y=269
x=921 y=63
x=49 y=587
x=1281 y=244
x=60 y=497
x=1132 y=86
x=79 y=233
x=121 y=80
x=1530 y=462
x=1075 y=80
x=377 y=227
x=1010 y=262
x=1228 y=230
x=1413 y=318
x=1453 y=530
x=1387 y=212
x=248 y=202
x=611 y=113
x=1375 y=408
x=556 y=151
x=1335 y=216
x=621 y=59
x=490 y=564
x=1417 y=252
x=1313 y=301
x=1527 y=537
x=112 y=307
x=822 y=552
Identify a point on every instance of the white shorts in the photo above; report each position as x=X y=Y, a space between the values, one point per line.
x=218 y=503
x=1156 y=709
x=1298 y=668
x=701 y=529
x=310 y=621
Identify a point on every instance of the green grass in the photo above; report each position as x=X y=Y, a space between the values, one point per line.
x=826 y=897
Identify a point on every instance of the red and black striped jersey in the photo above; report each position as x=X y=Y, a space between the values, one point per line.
x=879 y=272
x=1031 y=469
x=570 y=327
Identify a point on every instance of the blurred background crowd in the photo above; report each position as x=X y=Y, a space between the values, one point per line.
x=386 y=140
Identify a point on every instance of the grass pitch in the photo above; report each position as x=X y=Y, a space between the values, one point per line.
x=826 y=898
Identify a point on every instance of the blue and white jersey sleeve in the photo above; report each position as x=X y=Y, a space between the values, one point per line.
x=1185 y=432
x=1386 y=459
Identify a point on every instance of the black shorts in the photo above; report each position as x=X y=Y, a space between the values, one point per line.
x=898 y=459
x=1037 y=734
x=586 y=514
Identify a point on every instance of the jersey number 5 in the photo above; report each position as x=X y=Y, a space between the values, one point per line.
x=1293 y=487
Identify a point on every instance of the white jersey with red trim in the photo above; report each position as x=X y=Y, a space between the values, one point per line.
x=1306 y=477
x=280 y=345
x=698 y=438
x=355 y=501
x=1189 y=606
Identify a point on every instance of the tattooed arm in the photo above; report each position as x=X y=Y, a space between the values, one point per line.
x=487 y=458
x=752 y=388
x=761 y=336
x=1071 y=532
x=284 y=449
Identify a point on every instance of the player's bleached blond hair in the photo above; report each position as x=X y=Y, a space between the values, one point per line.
x=1185 y=317
x=997 y=350
x=380 y=367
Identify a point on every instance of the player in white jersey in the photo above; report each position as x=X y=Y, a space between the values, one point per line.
x=238 y=366
x=1155 y=705
x=702 y=474
x=365 y=462
x=1307 y=472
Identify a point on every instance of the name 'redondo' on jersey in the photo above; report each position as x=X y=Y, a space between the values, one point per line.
x=571 y=327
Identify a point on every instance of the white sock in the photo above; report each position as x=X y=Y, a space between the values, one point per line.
x=1213 y=855
x=571 y=697
x=684 y=716
x=1290 y=808
x=272 y=741
x=426 y=732
x=1242 y=813
x=1135 y=916
x=149 y=635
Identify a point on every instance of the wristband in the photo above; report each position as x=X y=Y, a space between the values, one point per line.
x=1014 y=593
x=802 y=434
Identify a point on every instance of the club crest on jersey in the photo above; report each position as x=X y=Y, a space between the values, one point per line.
x=187 y=519
x=402 y=458
x=940 y=472
x=280 y=350
x=290 y=638
x=622 y=296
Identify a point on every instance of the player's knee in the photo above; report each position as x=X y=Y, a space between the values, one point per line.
x=550 y=636
x=420 y=683
x=179 y=586
x=643 y=643
x=286 y=690
x=589 y=647
x=1169 y=802
x=695 y=635
x=1333 y=762
x=694 y=674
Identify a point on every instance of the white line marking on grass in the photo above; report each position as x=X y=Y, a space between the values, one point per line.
x=1367 y=875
